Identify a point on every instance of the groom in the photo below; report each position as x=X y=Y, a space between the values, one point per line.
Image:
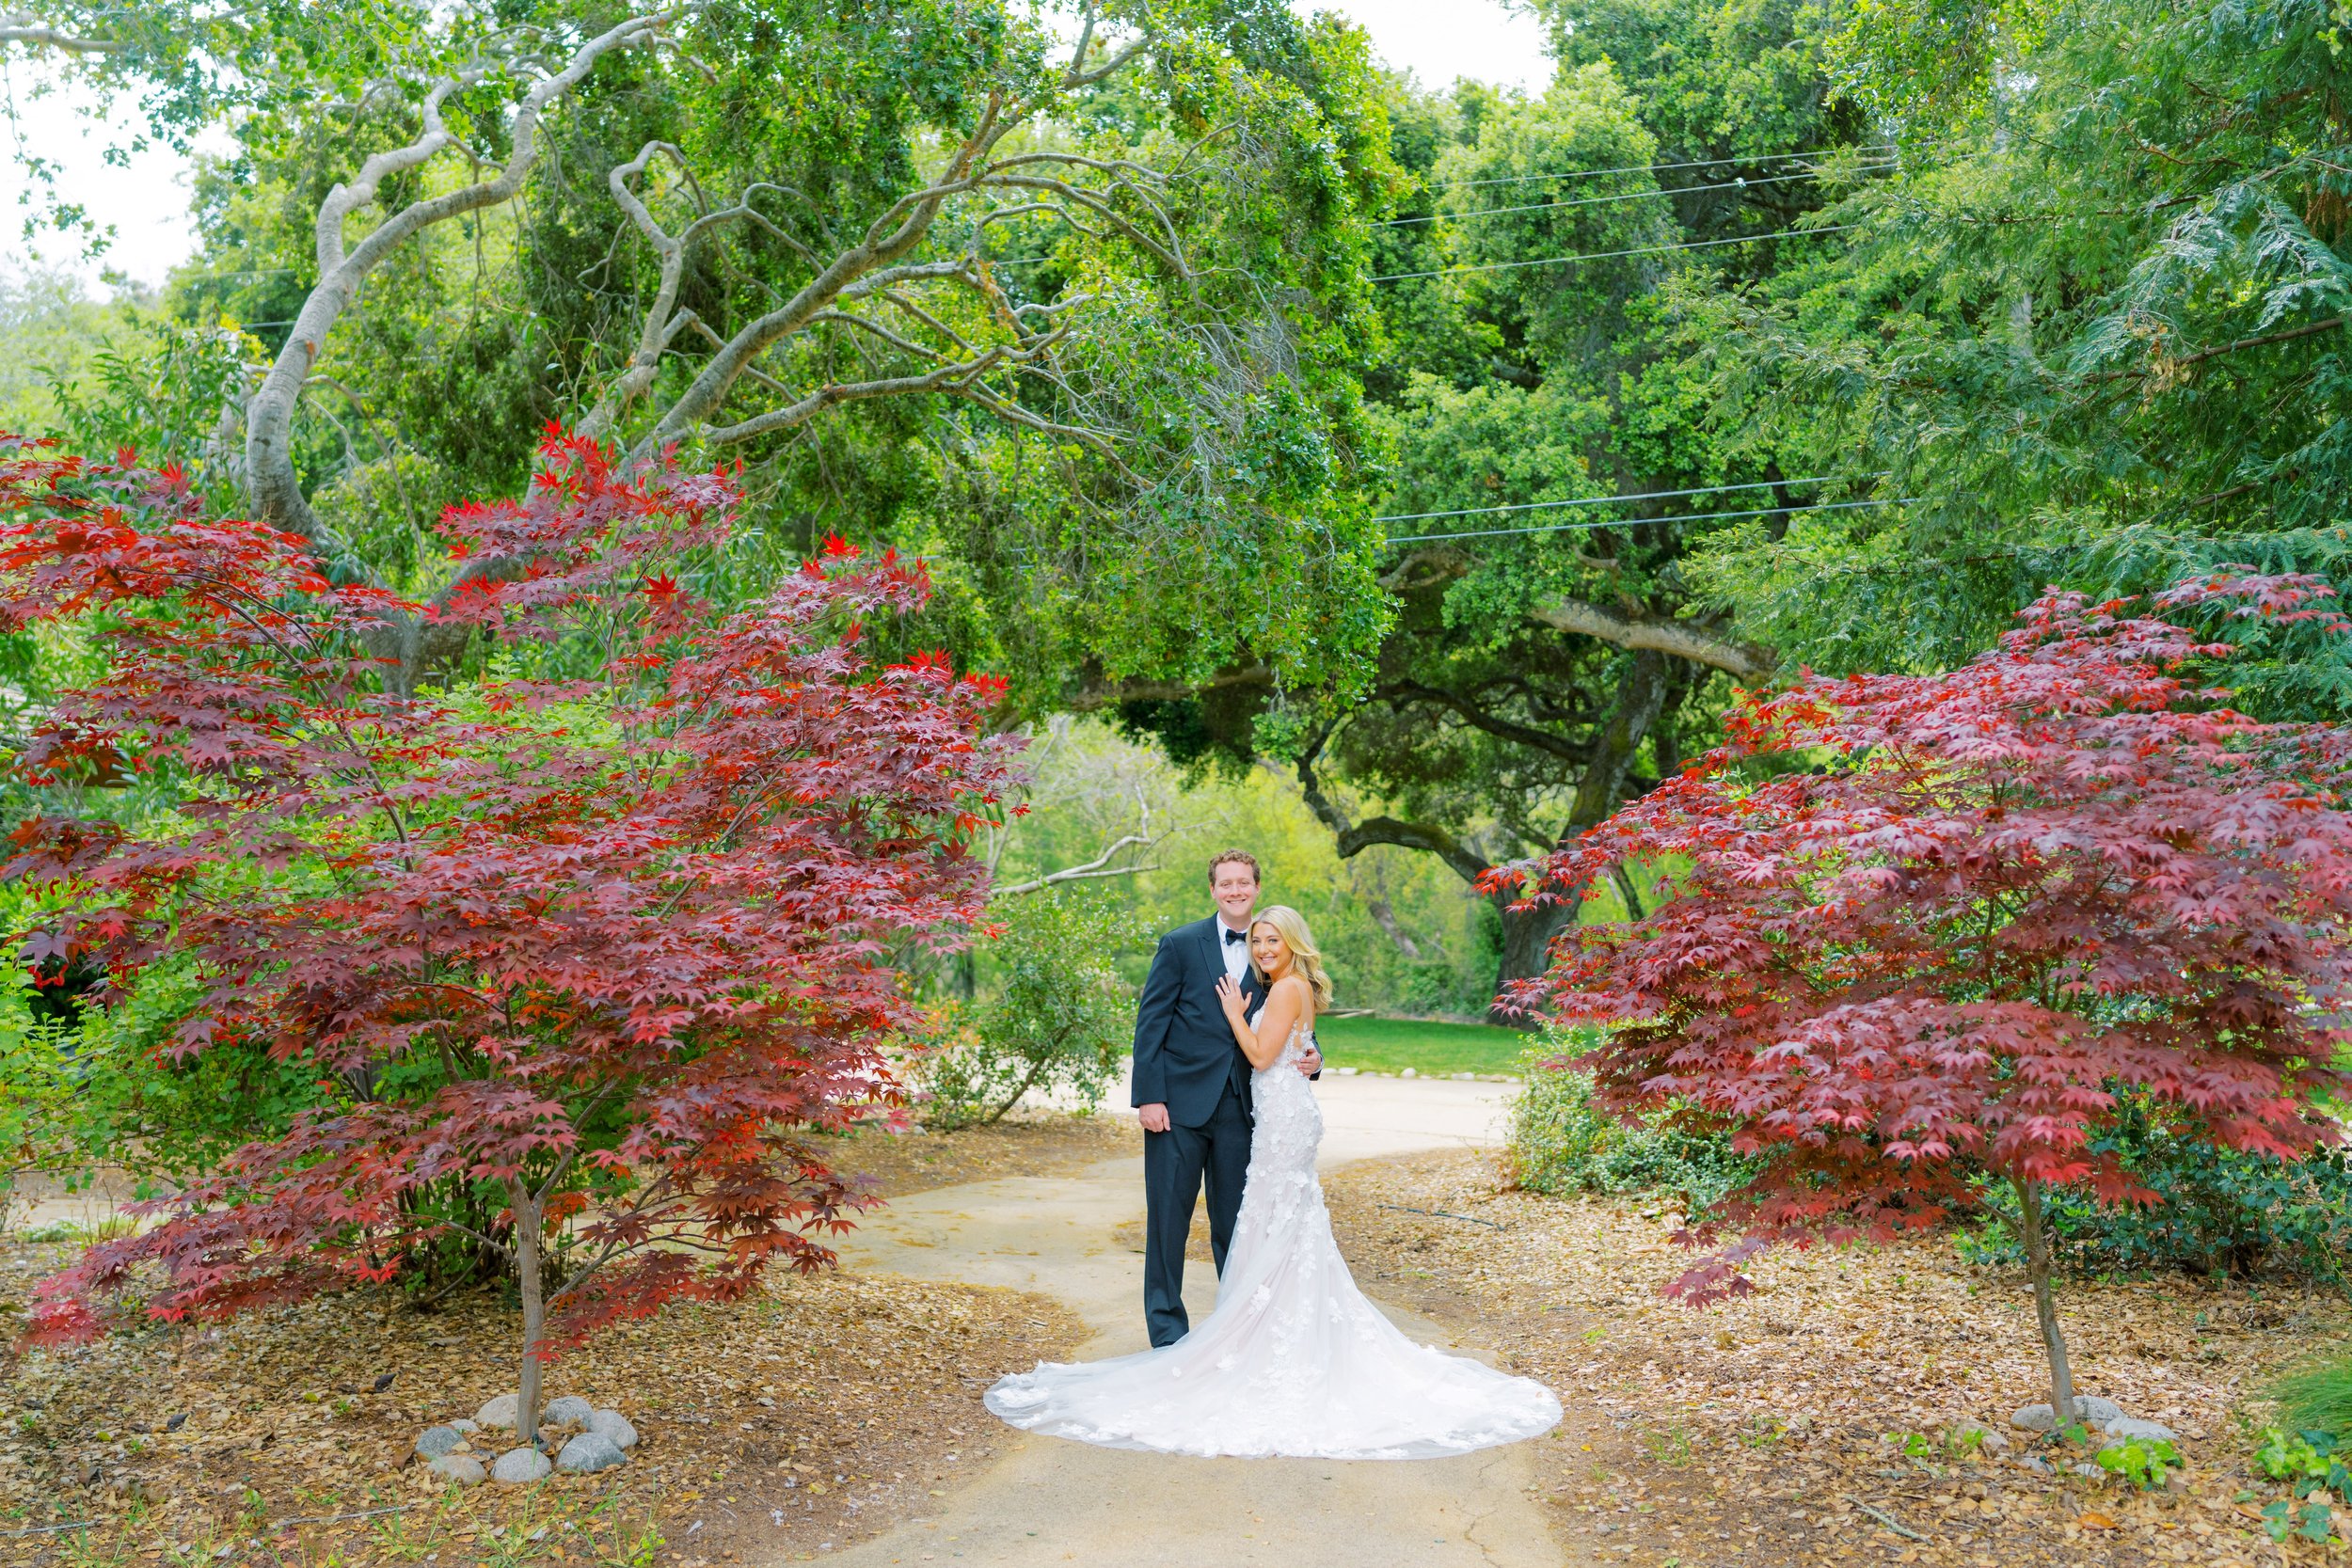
x=1192 y=1089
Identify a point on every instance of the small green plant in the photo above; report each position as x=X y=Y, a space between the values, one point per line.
x=2314 y=1521
x=1670 y=1447
x=2143 y=1462
x=2306 y=1461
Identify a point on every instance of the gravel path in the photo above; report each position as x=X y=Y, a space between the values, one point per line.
x=1046 y=1501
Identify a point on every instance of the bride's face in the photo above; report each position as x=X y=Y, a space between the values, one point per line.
x=1266 y=947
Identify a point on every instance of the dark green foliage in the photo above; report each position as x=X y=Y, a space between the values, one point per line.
x=2222 y=1213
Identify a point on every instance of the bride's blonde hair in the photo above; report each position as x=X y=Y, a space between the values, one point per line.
x=1306 y=958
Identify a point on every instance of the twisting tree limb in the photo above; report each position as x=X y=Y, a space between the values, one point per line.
x=1353 y=838
x=269 y=417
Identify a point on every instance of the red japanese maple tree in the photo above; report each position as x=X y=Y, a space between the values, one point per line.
x=600 y=931
x=1935 y=930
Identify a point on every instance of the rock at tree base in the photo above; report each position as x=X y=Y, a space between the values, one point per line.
x=520 y=1466
x=2089 y=1408
x=587 y=1453
x=2124 y=1429
x=571 y=1410
x=613 y=1426
x=462 y=1468
x=434 y=1442
x=499 y=1412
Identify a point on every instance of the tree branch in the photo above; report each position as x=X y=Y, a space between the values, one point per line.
x=25 y=28
x=1686 y=639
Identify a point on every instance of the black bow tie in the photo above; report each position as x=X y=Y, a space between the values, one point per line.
x=1232 y=935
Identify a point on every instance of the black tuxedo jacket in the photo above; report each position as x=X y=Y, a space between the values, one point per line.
x=1185 y=1057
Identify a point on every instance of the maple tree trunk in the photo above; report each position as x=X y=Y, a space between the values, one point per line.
x=2044 y=1299
x=534 y=1313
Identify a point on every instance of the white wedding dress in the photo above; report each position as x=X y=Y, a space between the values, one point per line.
x=1295 y=1361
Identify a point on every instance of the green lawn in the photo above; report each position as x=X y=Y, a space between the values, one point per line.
x=1431 y=1050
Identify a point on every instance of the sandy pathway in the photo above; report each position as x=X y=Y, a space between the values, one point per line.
x=1048 y=1501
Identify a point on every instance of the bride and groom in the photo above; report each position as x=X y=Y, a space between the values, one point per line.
x=1293 y=1361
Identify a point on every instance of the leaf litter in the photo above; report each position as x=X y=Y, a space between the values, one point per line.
x=1771 y=1430
x=824 y=1410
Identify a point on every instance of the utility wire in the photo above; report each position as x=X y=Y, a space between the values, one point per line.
x=1660 y=168
x=1610 y=254
x=1621 y=196
x=1639 y=496
x=1636 y=522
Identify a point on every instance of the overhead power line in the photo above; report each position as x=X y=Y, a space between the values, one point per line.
x=1637 y=522
x=1611 y=255
x=1637 y=496
x=1621 y=196
x=1661 y=169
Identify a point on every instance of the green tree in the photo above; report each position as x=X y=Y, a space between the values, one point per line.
x=2092 y=331
x=1070 y=303
x=1539 y=353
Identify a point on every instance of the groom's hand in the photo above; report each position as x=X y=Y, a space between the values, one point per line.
x=1311 y=1061
x=1153 y=1116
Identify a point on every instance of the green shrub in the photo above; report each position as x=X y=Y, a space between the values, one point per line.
x=2222 y=1213
x=1560 y=1142
x=1059 y=1018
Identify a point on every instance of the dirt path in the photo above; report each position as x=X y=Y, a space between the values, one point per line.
x=1044 y=1501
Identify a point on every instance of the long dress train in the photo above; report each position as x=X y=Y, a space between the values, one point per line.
x=1293 y=1361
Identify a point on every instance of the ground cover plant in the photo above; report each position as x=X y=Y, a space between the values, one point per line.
x=566 y=955
x=1945 y=930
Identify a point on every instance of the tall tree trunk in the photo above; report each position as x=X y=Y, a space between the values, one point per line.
x=1526 y=935
x=527 y=1260
x=2044 y=1301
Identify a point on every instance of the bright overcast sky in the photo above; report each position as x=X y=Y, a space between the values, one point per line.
x=146 y=204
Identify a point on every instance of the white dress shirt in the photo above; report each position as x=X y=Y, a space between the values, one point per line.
x=1236 y=954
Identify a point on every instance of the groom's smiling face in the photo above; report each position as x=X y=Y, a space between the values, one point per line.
x=1236 y=889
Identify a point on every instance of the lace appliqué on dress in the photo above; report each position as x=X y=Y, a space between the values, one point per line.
x=1295 y=1361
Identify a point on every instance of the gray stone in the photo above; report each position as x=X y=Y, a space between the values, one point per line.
x=499 y=1412
x=2035 y=1462
x=2125 y=1428
x=589 y=1452
x=462 y=1468
x=434 y=1442
x=469 y=1428
x=613 y=1426
x=571 y=1410
x=521 y=1467
x=2090 y=1409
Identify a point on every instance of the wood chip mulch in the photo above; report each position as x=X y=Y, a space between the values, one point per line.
x=1771 y=1430
x=821 y=1412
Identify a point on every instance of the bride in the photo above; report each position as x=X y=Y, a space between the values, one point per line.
x=1293 y=1361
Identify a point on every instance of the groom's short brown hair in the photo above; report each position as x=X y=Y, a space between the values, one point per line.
x=1238 y=857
